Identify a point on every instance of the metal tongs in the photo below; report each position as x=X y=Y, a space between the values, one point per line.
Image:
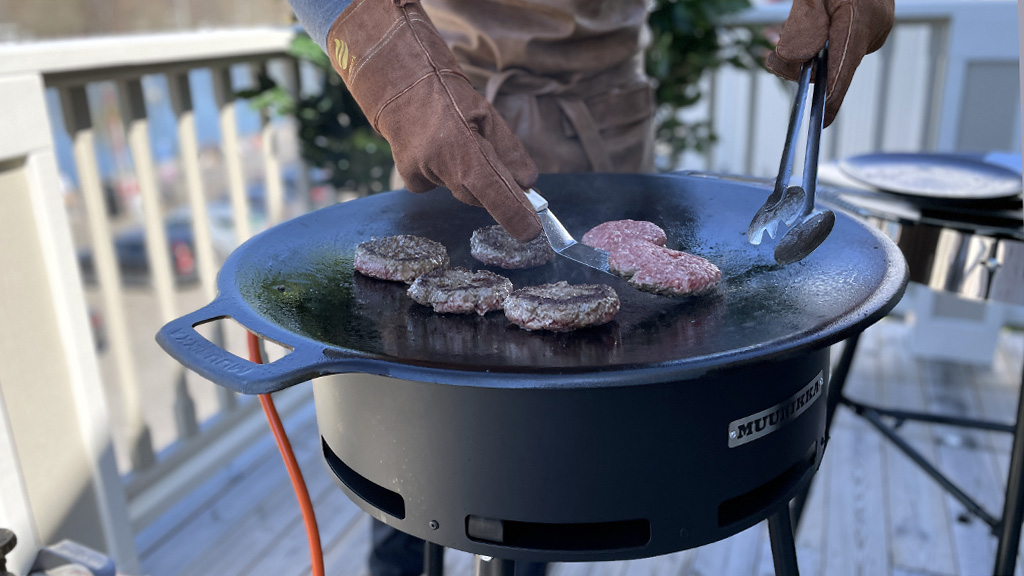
x=794 y=205
x=562 y=242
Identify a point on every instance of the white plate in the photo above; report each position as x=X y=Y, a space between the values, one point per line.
x=939 y=176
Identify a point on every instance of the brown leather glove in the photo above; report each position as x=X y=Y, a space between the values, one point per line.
x=853 y=28
x=441 y=131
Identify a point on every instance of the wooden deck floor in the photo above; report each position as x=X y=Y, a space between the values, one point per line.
x=872 y=512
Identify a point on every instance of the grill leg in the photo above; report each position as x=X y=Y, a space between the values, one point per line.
x=780 y=533
x=487 y=566
x=1013 y=506
x=433 y=559
x=836 y=383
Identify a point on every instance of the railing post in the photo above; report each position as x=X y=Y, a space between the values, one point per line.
x=181 y=102
x=79 y=126
x=271 y=165
x=293 y=84
x=15 y=506
x=224 y=95
x=54 y=427
x=133 y=106
x=133 y=114
x=752 y=100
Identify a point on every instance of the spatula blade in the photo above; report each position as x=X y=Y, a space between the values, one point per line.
x=562 y=242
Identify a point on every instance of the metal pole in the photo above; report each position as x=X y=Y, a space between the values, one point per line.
x=488 y=566
x=780 y=533
x=835 y=393
x=838 y=380
x=973 y=507
x=901 y=415
x=433 y=559
x=1013 y=506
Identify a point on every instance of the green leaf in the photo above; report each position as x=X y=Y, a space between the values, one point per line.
x=688 y=42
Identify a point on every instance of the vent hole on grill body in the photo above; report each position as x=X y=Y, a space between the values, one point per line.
x=374 y=494
x=764 y=496
x=573 y=537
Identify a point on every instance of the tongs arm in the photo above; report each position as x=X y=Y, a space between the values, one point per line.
x=817 y=124
x=790 y=204
x=796 y=117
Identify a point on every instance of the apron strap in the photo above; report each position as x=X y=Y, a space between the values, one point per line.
x=495 y=81
x=576 y=110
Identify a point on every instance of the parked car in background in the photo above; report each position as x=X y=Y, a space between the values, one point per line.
x=130 y=243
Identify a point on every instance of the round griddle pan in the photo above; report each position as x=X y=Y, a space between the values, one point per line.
x=295 y=284
x=935 y=178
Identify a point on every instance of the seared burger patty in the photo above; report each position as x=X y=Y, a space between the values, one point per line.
x=402 y=258
x=494 y=246
x=610 y=235
x=461 y=291
x=561 y=307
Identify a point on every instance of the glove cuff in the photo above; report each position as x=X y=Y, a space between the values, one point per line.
x=363 y=42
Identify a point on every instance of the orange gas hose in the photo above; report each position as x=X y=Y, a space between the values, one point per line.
x=294 y=473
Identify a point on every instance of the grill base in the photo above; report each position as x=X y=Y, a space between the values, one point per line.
x=577 y=474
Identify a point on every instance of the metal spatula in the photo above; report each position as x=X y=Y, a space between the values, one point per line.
x=562 y=242
x=794 y=205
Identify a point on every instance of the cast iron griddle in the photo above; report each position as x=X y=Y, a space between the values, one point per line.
x=295 y=284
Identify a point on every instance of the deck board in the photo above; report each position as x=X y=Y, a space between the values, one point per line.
x=870 y=510
x=918 y=520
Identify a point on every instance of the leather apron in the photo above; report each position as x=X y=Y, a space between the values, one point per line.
x=566 y=75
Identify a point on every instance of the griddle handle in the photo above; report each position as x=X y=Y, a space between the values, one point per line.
x=180 y=339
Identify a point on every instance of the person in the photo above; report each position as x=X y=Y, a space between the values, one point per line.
x=478 y=96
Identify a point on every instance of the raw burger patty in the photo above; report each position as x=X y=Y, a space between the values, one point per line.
x=628 y=258
x=561 y=307
x=494 y=246
x=401 y=258
x=610 y=235
x=664 y=271
x=461 y=291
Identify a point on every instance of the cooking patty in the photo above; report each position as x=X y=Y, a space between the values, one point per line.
x=628 y=258
x=636 y=251
x=661 y=270
x=494 y=246
x=461 y=291
x=401 y=258
x=561 y=307
x=610 y=235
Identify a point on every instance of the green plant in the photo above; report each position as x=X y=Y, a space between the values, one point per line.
x=333 y=132
x=688 y=40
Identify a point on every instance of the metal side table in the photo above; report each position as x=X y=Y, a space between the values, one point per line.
x=921 y=221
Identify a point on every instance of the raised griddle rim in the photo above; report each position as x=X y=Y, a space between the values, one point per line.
x=310 y=358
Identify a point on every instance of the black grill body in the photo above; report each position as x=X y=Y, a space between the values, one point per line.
x=572 y=474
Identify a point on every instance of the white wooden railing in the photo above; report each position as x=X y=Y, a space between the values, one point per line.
x=946 y=80
x=105 y=500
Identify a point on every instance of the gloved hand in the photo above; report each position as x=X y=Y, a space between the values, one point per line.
x=852 y=28
x=441 y=131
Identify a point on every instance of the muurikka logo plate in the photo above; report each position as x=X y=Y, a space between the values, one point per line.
x=770 y=419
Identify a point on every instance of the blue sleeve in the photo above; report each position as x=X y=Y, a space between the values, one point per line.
x=316 y=16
